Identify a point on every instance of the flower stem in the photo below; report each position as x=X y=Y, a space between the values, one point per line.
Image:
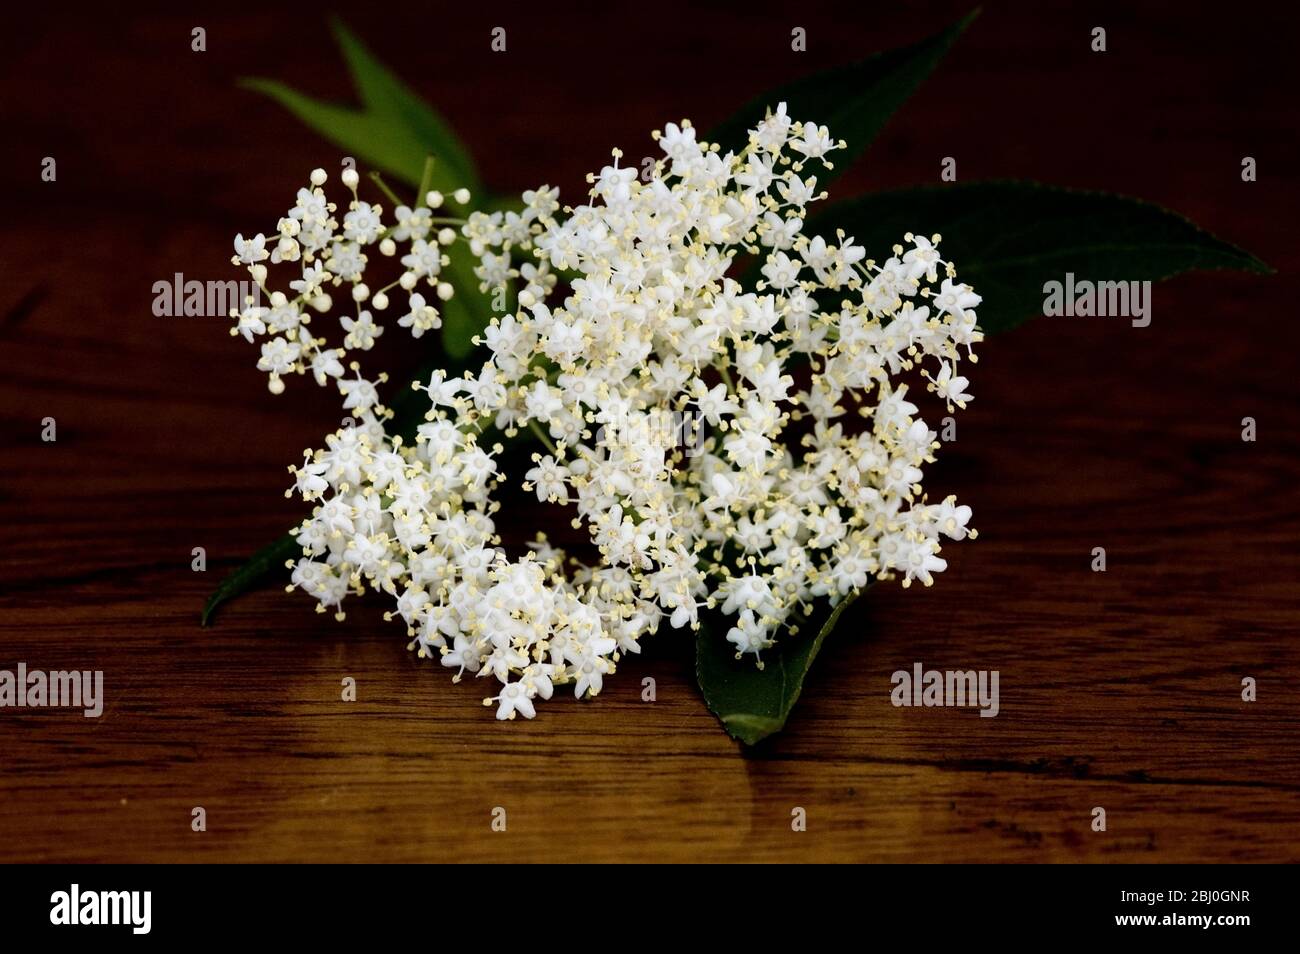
x=378 y=180
x=426 y=183
x=543 y=436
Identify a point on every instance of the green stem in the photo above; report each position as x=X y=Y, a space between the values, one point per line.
x=543 y=436
x=426 y=183
x=378 y=180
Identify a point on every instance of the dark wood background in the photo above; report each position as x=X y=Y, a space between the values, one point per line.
x=1119 y=690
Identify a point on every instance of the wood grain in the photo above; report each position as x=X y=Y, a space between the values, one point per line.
x=1118 y=689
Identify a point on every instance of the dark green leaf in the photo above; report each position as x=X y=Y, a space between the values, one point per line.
x=383 y=94
x=468 y=311
x=372 y=138
x=263 y=566
x=753 y=703
x=854 y=101
x=393 y=130
x=1008 y=239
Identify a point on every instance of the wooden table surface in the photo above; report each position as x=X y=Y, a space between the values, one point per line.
x=1119 y=690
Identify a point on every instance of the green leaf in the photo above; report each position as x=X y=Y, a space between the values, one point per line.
x=467 y=312
x=394 y=130
x=385 y=95
x=1008 y=239
x=260 y=568
x=854 y=100
x=753 y=703
x=373 y=139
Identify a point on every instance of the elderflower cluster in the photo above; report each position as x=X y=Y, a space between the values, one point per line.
x=698 y=295
x=333 y=255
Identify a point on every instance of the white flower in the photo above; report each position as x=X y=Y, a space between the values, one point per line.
x=363 y=223
x=252 y=250
x=250 y=322
x=412 y=223
x=748 y=635
x=922 y=260
x=421 y=317
x=956 y=299
x=362 y=331
x=549 y=479
x=950 y=387
x=772 y=132
x=747 y=447
x=464 y=654
x=359 y=394
x=278 y=356
x=816 y=141
x=589 y=673
x=424 y=259
x=781 y=271
x=714 y=403
x=326 y=365
x=442 y=393
x=514 y=698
